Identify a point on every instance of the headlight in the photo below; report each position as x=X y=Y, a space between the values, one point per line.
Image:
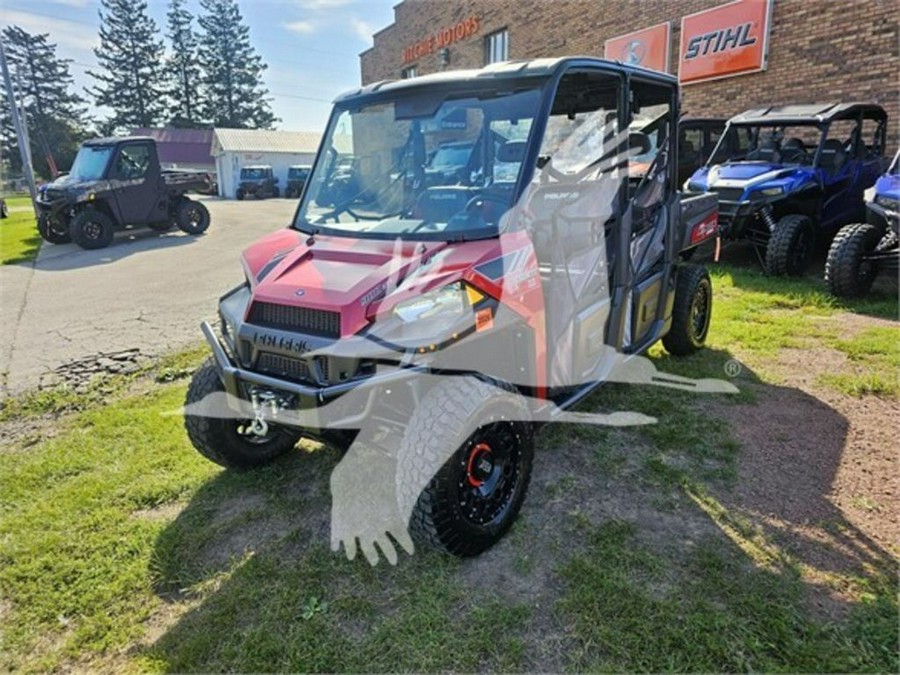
x=450 y=302
x=771 y=191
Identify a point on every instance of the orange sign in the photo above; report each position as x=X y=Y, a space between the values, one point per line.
x=728 y=40
x=648 y=47
x=445 y=37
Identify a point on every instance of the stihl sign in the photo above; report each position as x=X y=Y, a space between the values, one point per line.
x=728 y=40
x=720 y=40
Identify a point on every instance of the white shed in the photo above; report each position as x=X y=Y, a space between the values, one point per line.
x=235 y=148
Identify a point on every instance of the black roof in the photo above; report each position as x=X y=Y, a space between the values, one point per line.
x=113 y=140
x=807 y=113
x=503 y=71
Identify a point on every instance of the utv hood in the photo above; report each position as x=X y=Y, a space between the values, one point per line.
x=750 y=175
x=356 y=277
x=73 y=186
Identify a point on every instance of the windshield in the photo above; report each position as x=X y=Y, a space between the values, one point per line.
x=297 y=174
x=254 y=174
x=894 y=169
x=425 y=165
x=90 y=162
x=773 y=144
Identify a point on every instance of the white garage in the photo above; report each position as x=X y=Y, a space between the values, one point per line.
x=236 y=148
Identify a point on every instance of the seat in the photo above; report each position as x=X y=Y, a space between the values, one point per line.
x=833 y=156
x=767 y=151
x=794 y=151
x=440 y=204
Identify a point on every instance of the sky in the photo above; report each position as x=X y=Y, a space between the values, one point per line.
x=311 y=46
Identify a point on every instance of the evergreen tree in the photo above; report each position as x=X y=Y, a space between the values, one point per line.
x=233 y=92
x=130 y=54
x=182 y=69
x=55 y=115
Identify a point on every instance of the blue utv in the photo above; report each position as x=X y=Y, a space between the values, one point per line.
x=861 y=250
x=790 y=176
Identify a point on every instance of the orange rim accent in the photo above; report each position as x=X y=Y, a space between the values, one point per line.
x=476 y=451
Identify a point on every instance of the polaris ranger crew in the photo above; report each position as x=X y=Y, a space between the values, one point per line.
x=432 y=310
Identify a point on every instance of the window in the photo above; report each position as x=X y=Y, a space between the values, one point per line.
x=690 y=145
x=409 y=73
x=133 y=162
x=496 y=47
x=873 y=136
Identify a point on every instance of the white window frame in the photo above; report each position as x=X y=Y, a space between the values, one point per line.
x=496 y=47
x=409 y=72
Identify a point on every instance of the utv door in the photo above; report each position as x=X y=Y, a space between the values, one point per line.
x=137 y=182
x=573 y=206
x=650 y=229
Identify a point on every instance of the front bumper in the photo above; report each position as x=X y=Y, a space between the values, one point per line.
x=743 y=220
x=309 y=400
x=54 y=207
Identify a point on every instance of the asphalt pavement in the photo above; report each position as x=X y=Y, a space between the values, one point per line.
x=145 y=295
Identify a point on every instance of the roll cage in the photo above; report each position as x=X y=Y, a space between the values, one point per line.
x=542 y=75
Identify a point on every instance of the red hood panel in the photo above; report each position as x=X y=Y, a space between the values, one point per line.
x=349 y=275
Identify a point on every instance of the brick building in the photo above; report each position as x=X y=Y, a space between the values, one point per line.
x=818 y=50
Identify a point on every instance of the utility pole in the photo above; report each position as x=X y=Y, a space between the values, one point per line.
x=21 y=134
x=23 y=118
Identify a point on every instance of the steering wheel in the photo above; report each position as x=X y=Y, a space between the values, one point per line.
x=131 y=166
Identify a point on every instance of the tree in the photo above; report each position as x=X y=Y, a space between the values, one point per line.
x=182 y=69
x=130 y=55
x=233 y=92
x=55 y=115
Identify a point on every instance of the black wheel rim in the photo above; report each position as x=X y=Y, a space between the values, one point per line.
x=92 y=230
x=194 y=217
x=801 y=251
x=700 y=313
x=867 y=268
x=490 y=473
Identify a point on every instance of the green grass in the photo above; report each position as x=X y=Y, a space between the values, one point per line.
x=715 y=613
x=122 y=549
x=755 y=317
x=117 y=521
x=85 y=561
x=19 y=239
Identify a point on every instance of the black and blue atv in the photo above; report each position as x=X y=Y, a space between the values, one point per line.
x=861 y=250
x=789 y=177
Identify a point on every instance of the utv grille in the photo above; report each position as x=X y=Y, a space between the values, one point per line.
x=302 y=319
x=729 y=194
x=285 y=367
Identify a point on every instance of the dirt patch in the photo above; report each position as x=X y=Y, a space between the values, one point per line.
x=79 y=374
x=852 y=324
x=162 y=512
x=818 y=473
x=572 y=491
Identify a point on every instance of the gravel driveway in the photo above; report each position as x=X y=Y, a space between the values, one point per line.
x=74 y=311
